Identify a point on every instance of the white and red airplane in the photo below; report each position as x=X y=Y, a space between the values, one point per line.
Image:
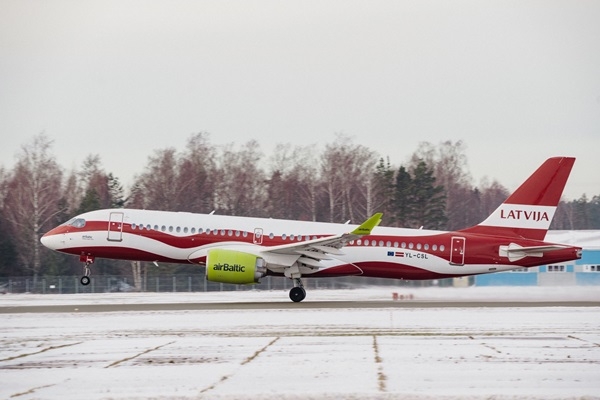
x=242 y=250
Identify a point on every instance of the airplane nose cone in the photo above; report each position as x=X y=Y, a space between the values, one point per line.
x=45 y=240
x=50 y=240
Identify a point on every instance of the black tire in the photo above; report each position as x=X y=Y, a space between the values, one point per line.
x=297 y=294
x=85 y=280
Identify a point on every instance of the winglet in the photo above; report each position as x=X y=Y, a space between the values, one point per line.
x=366 y=227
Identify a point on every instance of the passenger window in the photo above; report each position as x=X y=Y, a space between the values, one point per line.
x=155 y=227
x=133 y=226
x=163 y=228
x=442 y=247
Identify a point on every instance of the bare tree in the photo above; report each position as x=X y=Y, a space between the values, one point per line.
x=160 y=182
x=32 y=200
x=293 y=183
x=196 y=175
x=241 y=186
x=347 y=171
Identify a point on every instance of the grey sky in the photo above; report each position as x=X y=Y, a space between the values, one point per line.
x=517 y=81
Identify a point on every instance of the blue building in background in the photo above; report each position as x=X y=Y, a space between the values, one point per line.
x=585 y=271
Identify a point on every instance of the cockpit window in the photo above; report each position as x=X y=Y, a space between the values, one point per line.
x=78 y=223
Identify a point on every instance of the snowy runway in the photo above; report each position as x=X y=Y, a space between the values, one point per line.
x=531 y=352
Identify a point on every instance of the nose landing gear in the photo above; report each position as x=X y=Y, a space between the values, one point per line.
x=87 y=260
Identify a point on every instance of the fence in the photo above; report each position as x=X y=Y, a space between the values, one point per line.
x=187 y=283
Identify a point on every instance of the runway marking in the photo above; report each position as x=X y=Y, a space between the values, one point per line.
x=32 y=390
x=257 y=353
x=583 y=340
x=381 y=378
x=114 y=364
x=41 y=351
x=246 y=361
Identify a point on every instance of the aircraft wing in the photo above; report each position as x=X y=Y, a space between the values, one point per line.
x=311 y=252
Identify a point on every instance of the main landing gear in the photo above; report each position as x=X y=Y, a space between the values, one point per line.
x=297 y=293
x=87 y=260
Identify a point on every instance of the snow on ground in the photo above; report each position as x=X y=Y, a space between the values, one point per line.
x=492 y=293
x=373 y=353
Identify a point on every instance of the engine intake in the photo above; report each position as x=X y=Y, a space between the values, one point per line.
x=230 y=266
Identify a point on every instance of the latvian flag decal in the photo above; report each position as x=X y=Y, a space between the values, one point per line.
x=395 y=254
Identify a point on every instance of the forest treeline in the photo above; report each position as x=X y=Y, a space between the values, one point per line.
x=342 y=182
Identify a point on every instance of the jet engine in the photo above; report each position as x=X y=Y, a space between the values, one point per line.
x=230 y=266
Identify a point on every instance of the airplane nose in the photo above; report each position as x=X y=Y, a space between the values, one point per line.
x=50 y=240
x=45 y=240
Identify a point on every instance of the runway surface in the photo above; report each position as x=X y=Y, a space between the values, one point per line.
x=169 y=347
x=288 y=305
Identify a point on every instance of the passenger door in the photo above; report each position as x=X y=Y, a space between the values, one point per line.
x=115 y=227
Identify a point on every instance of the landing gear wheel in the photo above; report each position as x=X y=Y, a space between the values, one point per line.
x=297 y=294
x=88 y=260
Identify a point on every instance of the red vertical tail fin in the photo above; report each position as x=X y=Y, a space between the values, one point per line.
x=528 y=212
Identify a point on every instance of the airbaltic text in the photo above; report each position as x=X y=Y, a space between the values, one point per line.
x=229 y=268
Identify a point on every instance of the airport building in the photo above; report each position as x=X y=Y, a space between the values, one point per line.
x=585 y=271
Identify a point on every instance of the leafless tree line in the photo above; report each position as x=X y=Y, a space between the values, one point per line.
x=343 y=182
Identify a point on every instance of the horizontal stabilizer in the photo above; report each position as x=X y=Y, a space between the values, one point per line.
x=514 y=252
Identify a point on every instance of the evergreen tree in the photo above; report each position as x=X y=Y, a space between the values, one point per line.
x=90 y=201
x=115 y=190
x=383 y=188
x=429 y=200
x=594 y=214
x=403 y=200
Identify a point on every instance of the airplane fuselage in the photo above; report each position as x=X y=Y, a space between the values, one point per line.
x=178 y=237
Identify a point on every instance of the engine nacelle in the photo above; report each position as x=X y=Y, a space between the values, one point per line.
x=230 y=266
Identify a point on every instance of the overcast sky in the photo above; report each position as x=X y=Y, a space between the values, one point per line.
x=517 y=81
